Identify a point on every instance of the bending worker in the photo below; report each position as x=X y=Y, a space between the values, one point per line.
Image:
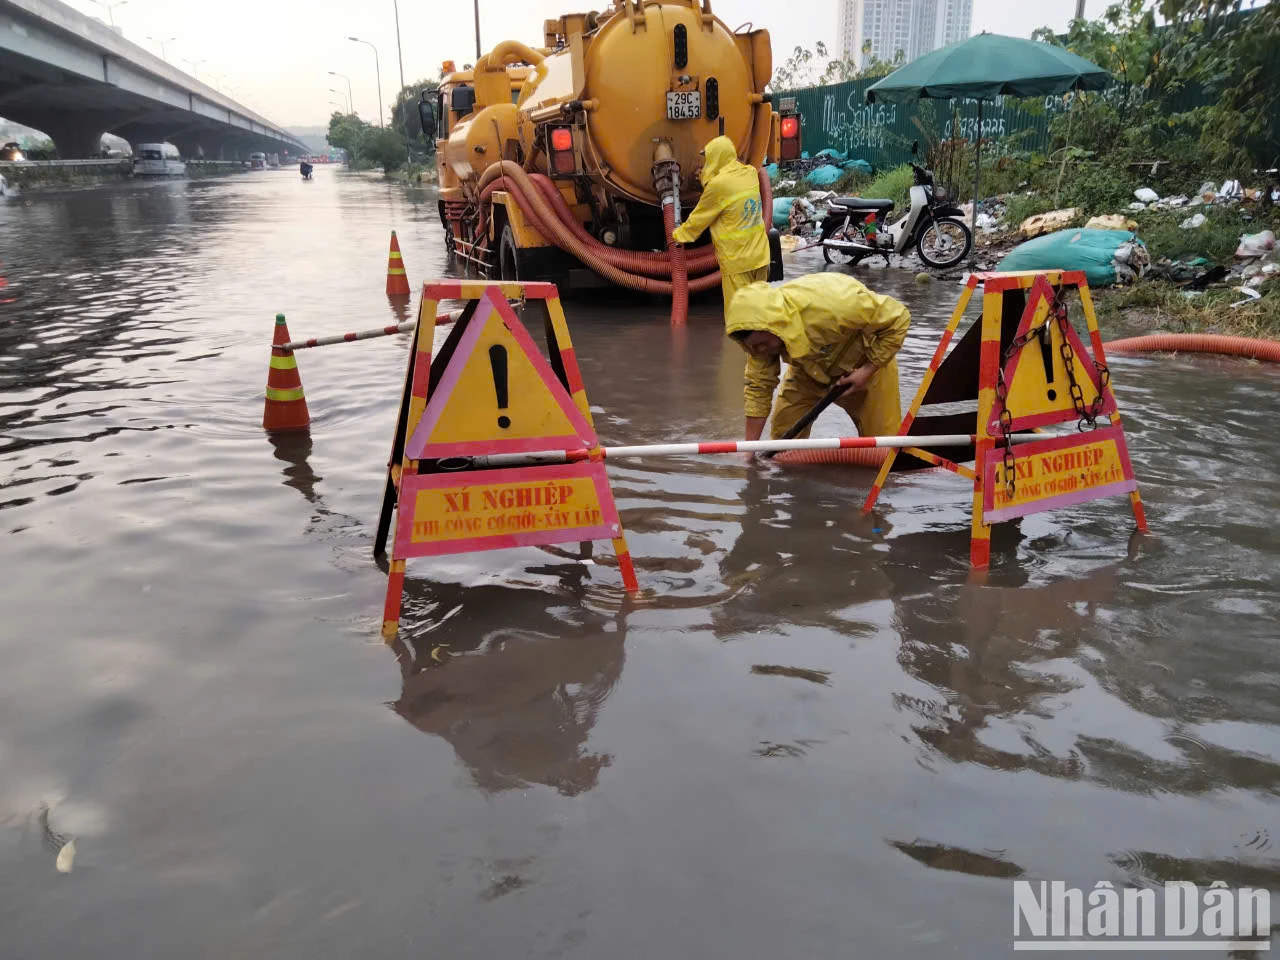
x=829 y=329
x=730 y=206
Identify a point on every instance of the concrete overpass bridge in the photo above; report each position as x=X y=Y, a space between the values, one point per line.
x=75 y=78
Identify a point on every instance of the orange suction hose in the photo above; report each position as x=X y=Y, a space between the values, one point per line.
x=535 y=205
x=849 y=456
x=699 y=260
x=1199 y=343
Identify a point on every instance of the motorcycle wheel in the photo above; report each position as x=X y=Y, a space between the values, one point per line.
x=839 y=257
x=944 y=243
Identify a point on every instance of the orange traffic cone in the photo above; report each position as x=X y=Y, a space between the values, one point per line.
x=285 y=407
x=397 y=282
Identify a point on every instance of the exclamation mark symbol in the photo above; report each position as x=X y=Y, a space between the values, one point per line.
x=498 y=363
x=1046 y=354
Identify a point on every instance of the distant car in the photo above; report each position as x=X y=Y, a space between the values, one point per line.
x=12 y=152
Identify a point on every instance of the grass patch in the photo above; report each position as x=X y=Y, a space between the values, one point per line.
x=1157 y=306
x=1217 y=239
x=892 y=185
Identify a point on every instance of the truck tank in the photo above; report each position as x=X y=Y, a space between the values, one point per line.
x=562 y=156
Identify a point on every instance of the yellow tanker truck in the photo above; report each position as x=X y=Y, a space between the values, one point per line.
x=571 y=162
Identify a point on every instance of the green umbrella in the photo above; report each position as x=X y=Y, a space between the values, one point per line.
x=985 y=67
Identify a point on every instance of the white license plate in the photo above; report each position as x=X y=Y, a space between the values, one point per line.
x=683 y=105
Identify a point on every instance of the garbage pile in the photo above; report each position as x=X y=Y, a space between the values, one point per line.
x=1229 y=193
x=820 y=170
x=1256 y=263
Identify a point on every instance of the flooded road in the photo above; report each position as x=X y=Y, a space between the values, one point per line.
x=192 y=685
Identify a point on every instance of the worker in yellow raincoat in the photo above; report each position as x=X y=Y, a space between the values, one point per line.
x=829 y=328
x=730 y=205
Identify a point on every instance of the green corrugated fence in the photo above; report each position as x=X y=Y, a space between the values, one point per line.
x=839 y=117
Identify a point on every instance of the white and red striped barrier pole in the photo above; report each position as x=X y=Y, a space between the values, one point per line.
x=733 y=446
x=366 y=334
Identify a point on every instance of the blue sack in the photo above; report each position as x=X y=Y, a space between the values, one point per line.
x=825 y=175
x=782 y=210
x=1105 y=256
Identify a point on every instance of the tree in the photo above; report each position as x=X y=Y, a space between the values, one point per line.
x=349 y=133
x=404 y=115
x=385 y=148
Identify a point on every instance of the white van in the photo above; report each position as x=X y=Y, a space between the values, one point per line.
x=158 y=160
x=257 y=161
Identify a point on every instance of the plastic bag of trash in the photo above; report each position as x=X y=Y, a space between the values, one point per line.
x=782 y=210
x=1256 y=244
x=1146 y=195
x=1137 y=205
x=1105 y=256
x=987 y=223
x=1231 y=190
x=1111 y=221
x=825 y=175
x=861 y=166
x=1043 y=223
x=1193 y=221
x=772 y=170
x=835 y=156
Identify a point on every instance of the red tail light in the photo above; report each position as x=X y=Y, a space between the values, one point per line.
x=790 y=127
x=561 y=138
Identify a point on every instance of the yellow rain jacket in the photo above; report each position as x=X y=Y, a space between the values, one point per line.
x=730 y=206
x=829 y=324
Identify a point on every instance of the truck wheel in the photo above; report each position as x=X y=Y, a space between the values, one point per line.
x=508 y=256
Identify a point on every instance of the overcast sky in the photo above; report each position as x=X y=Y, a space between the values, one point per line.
x=273 y=55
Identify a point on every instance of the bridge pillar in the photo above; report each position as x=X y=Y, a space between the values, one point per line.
x=75 y=136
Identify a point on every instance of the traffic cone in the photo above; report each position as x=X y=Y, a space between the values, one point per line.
x=397 y=282
x=285 y=407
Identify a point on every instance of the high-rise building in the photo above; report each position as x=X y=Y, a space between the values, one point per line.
x=879 y=29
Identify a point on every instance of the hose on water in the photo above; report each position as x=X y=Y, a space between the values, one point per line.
x=848 y=456
x=679 y=273
x=1216 y=343
x=595 y=254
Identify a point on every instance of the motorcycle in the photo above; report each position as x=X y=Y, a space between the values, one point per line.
x=854 y=227
x=305 y=169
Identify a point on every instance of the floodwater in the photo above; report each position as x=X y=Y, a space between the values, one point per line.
x=192 y=684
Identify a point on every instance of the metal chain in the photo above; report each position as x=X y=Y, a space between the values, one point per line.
x=1088 y=414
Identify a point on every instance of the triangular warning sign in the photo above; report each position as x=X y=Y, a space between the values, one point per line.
x=497 y=394
x=1039 y=385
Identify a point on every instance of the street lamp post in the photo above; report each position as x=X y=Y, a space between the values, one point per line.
x=163 y=54
x=377 y=68
x=110 y=7
x=340 y=93
x=195 y=66
x=476 y=6
x=399 y=53
x=350 y=100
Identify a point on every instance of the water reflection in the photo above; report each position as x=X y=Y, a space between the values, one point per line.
x=798 y=547
x=939 y=856
x=517 y=703
x=294 y=449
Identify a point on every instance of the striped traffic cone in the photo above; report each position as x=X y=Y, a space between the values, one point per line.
x=285 y=407
x=397 y=282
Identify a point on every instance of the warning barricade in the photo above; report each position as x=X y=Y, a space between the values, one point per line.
x=1026 y=367
x=488 y=392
